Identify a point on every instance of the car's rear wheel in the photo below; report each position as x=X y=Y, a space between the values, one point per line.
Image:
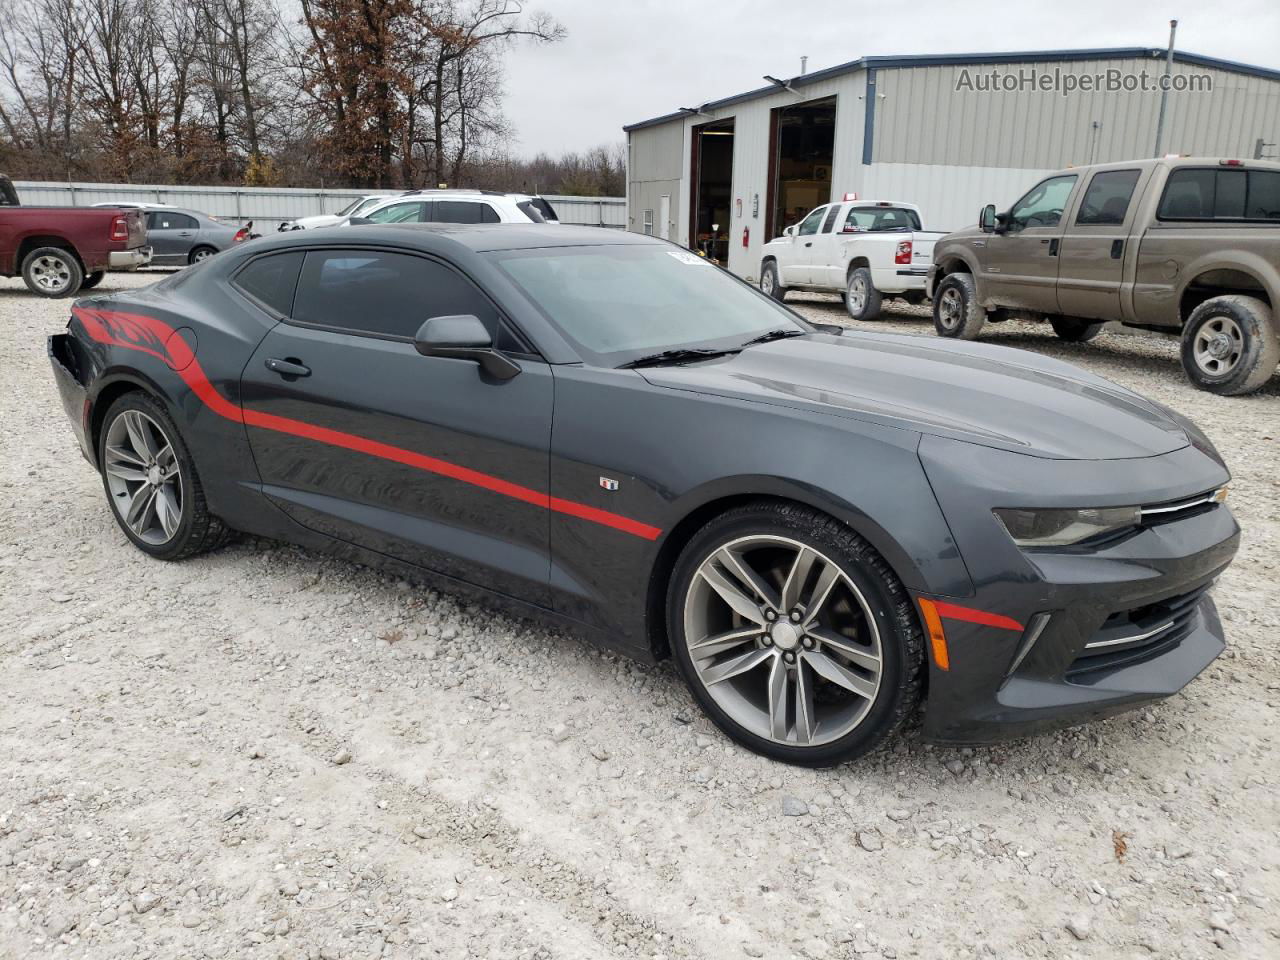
x=793 y=634
x=151 y=481
x=956 y=311
x=200 y=253
x=1230 y=345
x=93 y=279
x=52 y=272
x=862 y=299
x=770 y=285
x=1073 y=330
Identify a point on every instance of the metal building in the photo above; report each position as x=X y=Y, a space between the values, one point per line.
x=947 y=132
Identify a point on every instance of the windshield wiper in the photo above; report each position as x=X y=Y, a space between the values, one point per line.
x=687 y=355
x=770 y=335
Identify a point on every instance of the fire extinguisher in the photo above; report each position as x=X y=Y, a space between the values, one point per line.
x=746 y=236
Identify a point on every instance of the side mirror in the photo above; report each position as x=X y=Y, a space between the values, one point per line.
x=464 y=337
x=789 y=232
x=987 y=218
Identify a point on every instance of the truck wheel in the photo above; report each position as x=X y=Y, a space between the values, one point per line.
x=862 y=299
x=1074 y=330
x=956 y=312
x=52 y=272
x=93 y=279
x=769 y=284
x=1229 y=345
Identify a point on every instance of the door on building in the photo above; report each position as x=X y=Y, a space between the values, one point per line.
x=712 y=179
x=664 y=213
x=1091 y=257
x=802 y=140
x=1022 y=261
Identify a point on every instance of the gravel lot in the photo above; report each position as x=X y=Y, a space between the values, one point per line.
x=268 y=753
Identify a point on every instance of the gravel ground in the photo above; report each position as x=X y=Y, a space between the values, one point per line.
x=268 y=753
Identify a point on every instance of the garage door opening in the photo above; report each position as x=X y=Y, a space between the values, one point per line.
x=712 y=181
x=802 y=145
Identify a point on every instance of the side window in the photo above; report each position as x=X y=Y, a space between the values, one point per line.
x=385 y=294
x=1264 y=195
x=1205 y=193
x=1107 y=199
x=398 y=213
x=171 y=221
x=152 y=219
x=1043 y=204
x=458 y=211
x=831 y=218
x=488 y=214
x=271 y=280
x=811 y=223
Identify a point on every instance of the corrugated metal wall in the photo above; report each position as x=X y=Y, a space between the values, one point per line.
x=923 y=119
x=269 y=206
x=949 y=197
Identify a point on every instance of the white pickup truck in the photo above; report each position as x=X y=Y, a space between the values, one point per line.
x=864 y=250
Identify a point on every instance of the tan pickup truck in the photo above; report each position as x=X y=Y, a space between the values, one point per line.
x=1178 y=244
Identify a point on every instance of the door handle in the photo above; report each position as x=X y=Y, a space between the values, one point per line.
x=1117 y=249
x=288 y=368
x=809 y=244
x=1053 y=247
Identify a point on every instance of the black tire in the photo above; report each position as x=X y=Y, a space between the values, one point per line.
x=52 y=272
x=1242 y=329
x=956 y=311
x=870 y=297
x=901 y=640
x=200 y=253
x=769 y=283
x=93 y=279
x=197 y=529
x=1073 y=330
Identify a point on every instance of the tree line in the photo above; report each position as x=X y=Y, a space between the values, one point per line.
x=354 y=93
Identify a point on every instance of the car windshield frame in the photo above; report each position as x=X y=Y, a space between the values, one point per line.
x=772 y=314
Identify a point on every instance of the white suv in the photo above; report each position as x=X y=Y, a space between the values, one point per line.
x=356 y=208
x=460 y=206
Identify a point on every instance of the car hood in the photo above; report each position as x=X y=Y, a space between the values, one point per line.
x=319 y=220
x=995 y=396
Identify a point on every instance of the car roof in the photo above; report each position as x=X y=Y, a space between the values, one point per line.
x=475 y=237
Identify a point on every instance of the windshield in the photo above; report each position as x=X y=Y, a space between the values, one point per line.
x=355 y=206
x=619 y=303
x=881 y=219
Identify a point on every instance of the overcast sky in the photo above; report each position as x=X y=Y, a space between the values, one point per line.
x=628 y=60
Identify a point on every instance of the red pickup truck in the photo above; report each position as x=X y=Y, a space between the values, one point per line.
x=60 y=250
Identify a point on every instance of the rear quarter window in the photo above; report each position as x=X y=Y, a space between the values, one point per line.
x=271 y=280
x=1211 y=193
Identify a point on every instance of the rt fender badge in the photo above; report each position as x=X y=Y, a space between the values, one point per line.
x=608 y=484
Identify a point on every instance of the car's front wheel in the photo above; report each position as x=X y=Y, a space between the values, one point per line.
x=793 y=634
x=956 y=311
x=151 y=481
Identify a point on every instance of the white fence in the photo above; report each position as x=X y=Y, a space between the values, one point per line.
x=267 y=207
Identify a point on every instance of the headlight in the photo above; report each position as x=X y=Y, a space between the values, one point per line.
x=1060 y=528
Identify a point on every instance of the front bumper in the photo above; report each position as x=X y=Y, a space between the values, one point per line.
x=129 y=259
x=1120 y=625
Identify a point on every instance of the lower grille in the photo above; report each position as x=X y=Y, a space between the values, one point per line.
x=1132 y=635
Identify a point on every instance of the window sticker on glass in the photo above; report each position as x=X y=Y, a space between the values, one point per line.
x=685 y=256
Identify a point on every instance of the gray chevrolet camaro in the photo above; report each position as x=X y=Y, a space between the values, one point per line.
x=604 y=430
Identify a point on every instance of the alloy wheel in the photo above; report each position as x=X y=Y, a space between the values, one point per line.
x=857 y=294
x=51 y=274
x=204 y=253
x=950 y=308
x=1218 y=346
x=766 y=283
x=142 y=474
x=782 y=640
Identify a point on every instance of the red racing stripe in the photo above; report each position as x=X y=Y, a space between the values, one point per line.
x=139 y=332
x=955 y=612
